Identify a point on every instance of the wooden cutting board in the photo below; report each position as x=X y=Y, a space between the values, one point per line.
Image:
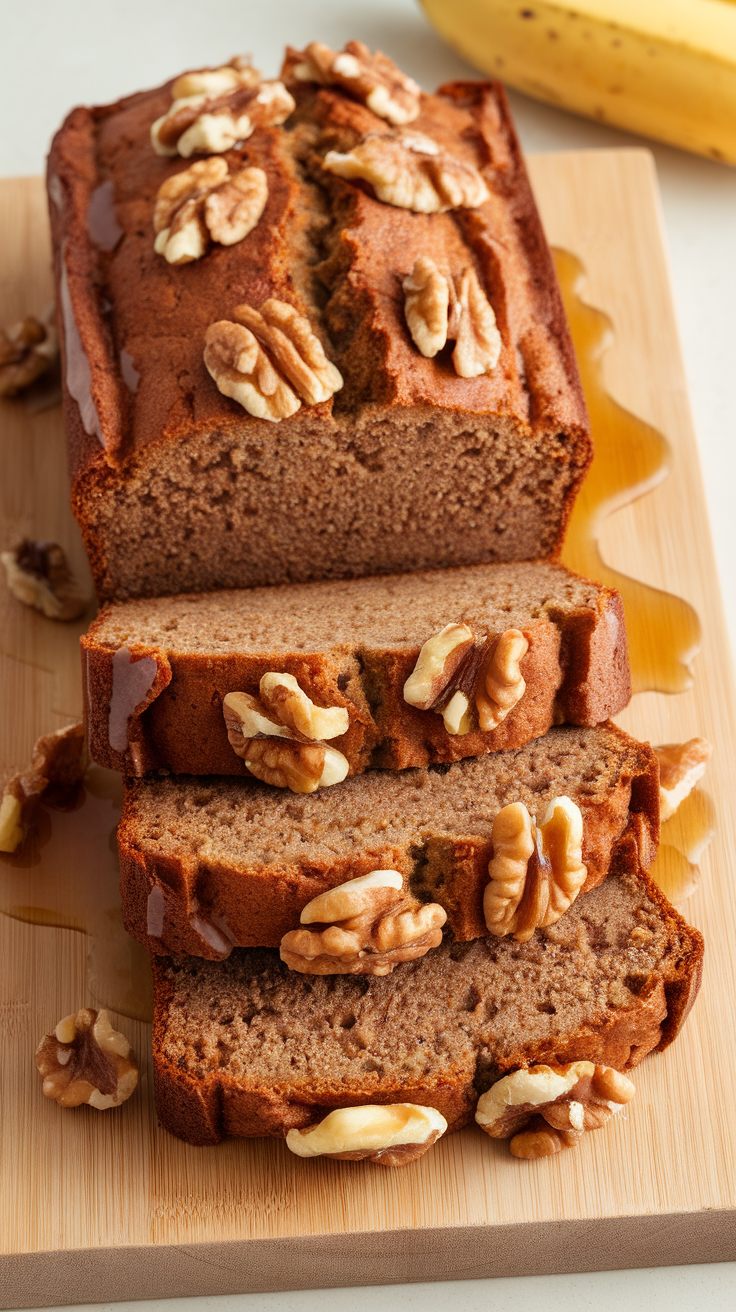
x=106 y=1206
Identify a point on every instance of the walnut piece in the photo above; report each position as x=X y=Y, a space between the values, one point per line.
x=226 y=107
x=85 y=1060
x=471 y=324
x=536 y=870
x=269 y=359
x=501 y=685
x=281 y=694
x=368 y=925
x=681 y=765
x=300 y=760
x=206 y=203
x=302 y=767
x=443 y=676
x=373 y=79
x=59 y=761
x=547 y=1108
x=411 y=171
x=39 y=576
x=27 y=350
x=392 y=1135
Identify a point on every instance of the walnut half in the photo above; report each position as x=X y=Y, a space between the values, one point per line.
x=27 y=350
x=411 y=171
x=373 y=79
x=279 y=735
x=366 y=927
x=59 y=760
x=681 y=765
x=536 y=870
x=206 y=203
x=85 y=1060
x=544 y=1109
x=39 y=576
x=392 y=1135
x=215 y=108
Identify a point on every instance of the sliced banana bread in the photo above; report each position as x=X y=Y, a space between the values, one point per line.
x=245 y=1047
x=206 y=864
x=157 y=670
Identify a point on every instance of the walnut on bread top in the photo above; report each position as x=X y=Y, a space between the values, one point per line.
x=215 y=108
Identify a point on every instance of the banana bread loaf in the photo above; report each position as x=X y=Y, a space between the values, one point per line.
x=244 y=1047
x=403 y=456
x=206 y=864
x=157 y=671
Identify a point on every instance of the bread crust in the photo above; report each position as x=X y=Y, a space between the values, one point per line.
x=204 y=904
x=203 y=1111
x=162 y=430
x=576 y=671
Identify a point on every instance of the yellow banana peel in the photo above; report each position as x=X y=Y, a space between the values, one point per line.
x=664 y=68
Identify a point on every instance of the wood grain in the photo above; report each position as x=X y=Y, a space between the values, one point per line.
x=107 y=1206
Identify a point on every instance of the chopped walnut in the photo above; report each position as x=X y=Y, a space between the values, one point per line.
x=473 y=328
x=85 y=1060
x=545 y=1109
x=227 y=106
x=27 y=350
x=471 y=324
x=206 y=203
x=536 y=870
x=373 y=79
x=302 y=767
x=368 y=926
x=501 y=685
x=411 y=171
x=283 y=711
x=59 y=760
x=392 y=1135
x=267 y=353
x=39 y=576
x=681 y=765
x=426 y=304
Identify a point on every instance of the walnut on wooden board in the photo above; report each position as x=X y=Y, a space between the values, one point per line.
x=84 y=1060
x=207 y=203
x=411 y=171
x=439 y=307
x=213 y=109
x=373 y=79
x=536 y=870
x=280 y=735
x=544 y=1109
x=364 y=926
x=38 y=575
x=391 y=1135
x=270 y=360
x=59 y=760
x=681 y=766
x=28 y=350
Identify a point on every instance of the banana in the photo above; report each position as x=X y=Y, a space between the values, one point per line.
x=663 y=68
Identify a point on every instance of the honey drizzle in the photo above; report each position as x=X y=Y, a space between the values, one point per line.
x=630 y=459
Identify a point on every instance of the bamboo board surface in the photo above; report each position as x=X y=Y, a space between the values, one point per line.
x=107 y=1206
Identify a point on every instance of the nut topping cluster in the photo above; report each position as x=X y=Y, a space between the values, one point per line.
x=453 y=672
x=280 y=734
x=438 y=308
x=547 y=1108
x=213 y=109
x=372 y=79
x=269 y=360
x=366 y=927
x=681 y=765
x=86 y=1060
x=411 y=171
x=39 y=576
x=392 y=1135
x=536 y=870
x=207 y=203
x=27 y=350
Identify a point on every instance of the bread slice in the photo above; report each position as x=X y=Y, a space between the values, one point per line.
x=349 y=644
x=244 y=1047
x=408 y=466
x=206 y=864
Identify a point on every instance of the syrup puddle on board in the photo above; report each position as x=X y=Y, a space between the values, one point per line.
x=66 y=875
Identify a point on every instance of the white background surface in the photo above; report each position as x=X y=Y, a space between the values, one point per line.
x=57 y=55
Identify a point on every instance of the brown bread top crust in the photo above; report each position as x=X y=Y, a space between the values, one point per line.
x=350 y=644
x=206 y=864
x=244 y=1047
x=338 y=255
